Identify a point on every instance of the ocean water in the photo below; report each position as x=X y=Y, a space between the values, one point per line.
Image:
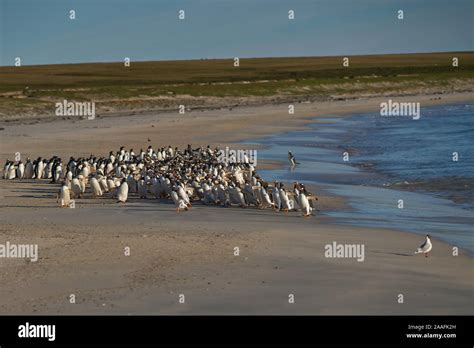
x=390 y=159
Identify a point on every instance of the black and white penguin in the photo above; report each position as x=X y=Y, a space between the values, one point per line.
x=122 y=192
x=292 y=159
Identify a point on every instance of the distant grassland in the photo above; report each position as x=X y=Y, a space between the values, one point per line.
x=166 y=84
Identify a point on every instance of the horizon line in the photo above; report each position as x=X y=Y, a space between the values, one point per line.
x=231 y=58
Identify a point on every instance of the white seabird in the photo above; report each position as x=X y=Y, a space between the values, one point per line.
x=426 y=247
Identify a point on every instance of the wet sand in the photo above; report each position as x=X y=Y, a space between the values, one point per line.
x=82 y=250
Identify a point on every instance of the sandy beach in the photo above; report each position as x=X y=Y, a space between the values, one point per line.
x=81 y=251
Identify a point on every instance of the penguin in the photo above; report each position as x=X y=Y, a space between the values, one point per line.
x=302 y=202
x=49 y=169
x=109 y=167
x=85 y=171
x=82 y=183
x=111 y=186
x=39 y=168
x=183 y=195
x=178 y=202
x=292 y=159
x=240 y=196
x=276 y=197
x=12 y=170
x=209 y=197
x=266 y=201
x=132 y=183
x=68 y=179
x=285 y=201
x=221 y=194
x=122 y=193
x=57 y=171
x=249 y=194
x=64 y=197
x=95 y=186
x=76 y=187
x=6 y=169
x=29 y=170
x=180 y=175
x=71 y=165
x=20 y=171
x=103 y=184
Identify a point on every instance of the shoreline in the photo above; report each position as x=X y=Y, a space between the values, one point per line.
x=253 y=122
x=81 y=250
x=323 y=170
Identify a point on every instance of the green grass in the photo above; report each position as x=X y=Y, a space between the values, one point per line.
x=263 y=77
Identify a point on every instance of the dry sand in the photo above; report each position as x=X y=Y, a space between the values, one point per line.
x=82 y=250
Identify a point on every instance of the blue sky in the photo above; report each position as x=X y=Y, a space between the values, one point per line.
x=40 y=31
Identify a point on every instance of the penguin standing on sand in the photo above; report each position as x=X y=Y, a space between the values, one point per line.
x=76 y=187
x=39 y=168
x=122 y=193
x=285 y=201
x=11 y=174
x=179 y=203
x=303 y=202
x=183 y=195
x=103 y=184
x=276 y=197
x=96 y=189
x=29 y=170
x=20 y=171
x=56 y=170
x=64 y=196
x=6 y=168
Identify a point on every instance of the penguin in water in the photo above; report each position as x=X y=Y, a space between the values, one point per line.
x=122 y=193
x=292 y=159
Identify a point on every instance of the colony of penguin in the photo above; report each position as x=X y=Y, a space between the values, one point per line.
x=185 y=177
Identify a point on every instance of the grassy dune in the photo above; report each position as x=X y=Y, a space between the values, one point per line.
x=33 y=90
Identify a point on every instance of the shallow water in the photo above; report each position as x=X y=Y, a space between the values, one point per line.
x=390 y=159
